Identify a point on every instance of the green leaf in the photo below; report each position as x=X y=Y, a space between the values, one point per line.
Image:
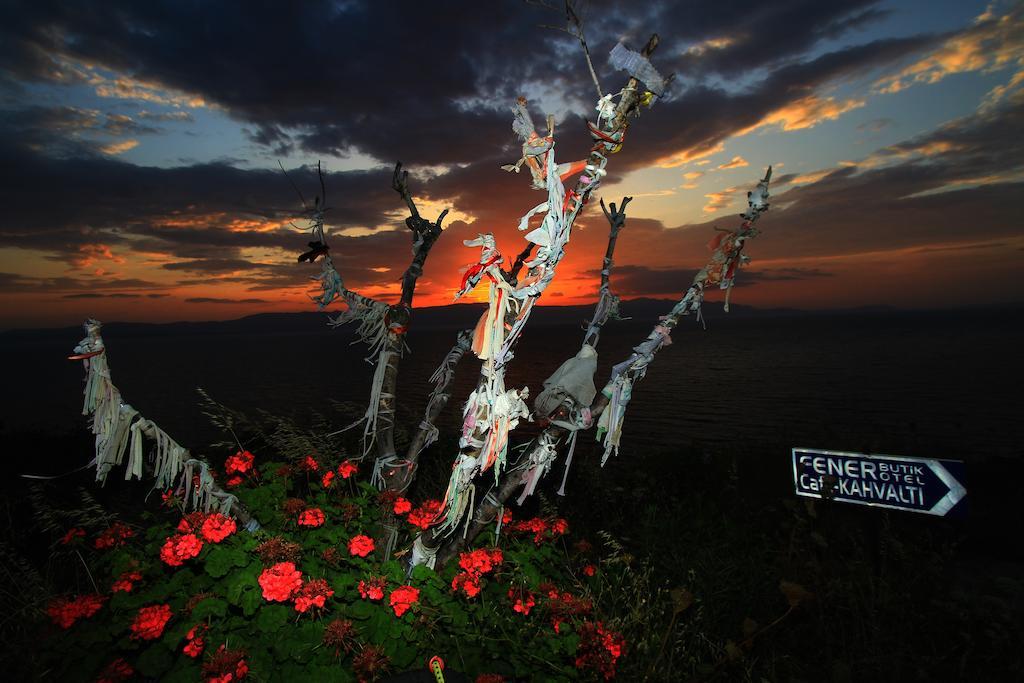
x=272 y=618
x=241 y=581
x=250 y=601
x=361 y=610
x=210 y=607
x=174 y=633
x=422 y=572
x=221 y=560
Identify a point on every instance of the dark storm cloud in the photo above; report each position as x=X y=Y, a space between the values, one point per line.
x=57 y=205
x=751 y=33
x=65 y=131
x=428 y=84
x=11 y=283
x=704 y=116
x=923 y=196
x=99 y=295
x=927 y=193
x=425 y=82
x=219 y=265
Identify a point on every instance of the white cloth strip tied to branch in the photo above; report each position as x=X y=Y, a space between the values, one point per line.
x=460 y=493
x=203 y=494
x=120 y=429
x=638 y=66
x=721 y=270
x=112 y=442
x=373 y=327
x=421 y=554
x=541 y=458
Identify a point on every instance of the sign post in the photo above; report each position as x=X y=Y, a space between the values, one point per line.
x=895 y=482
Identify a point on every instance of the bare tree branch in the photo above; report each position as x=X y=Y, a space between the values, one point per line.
x=513 y=272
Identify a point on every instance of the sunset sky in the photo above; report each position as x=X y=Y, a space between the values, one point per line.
x=141 y=143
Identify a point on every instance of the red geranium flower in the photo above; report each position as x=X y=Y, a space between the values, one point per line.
x=125 y=582
x=542 y=529
x=150 y=622
x=280 y=582
x=347 y=469
x=327 y=479
x=404 y=597
x=506 y=516
x=72 y=534
x=312 y=517
x=523 y=600
x=239 y=463
x=467 y=582
x=66 y=611
x=312 y=594
x=599 y=649
x=196 y=643
x=402 y=506
x=481 y=561
x=360 y=546
x=115 y=672
x=217 y=527
x=589 y=570
x=117 y=535
x=310 y=464
x=424 y=515
x=373 y=589
x=179 y=548
x=234 y=481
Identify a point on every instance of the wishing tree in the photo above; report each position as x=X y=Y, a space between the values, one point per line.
x=568 y=404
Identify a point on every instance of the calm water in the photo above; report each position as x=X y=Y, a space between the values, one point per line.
x=925 y=384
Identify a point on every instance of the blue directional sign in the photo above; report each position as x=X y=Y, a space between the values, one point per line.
x=931 y=486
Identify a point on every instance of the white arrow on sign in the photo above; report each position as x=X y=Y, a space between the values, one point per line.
x=956 y=489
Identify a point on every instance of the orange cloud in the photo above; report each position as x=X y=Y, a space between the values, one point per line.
x=119 y=147
x=89 y=254
x=809 y=178
x=709 y=45
x=991 y=43
x=805 y=112
x=719 y=200
x=687 y=155
x=736 y=162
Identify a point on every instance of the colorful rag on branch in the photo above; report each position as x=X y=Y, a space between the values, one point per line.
x=726 y=259
x=120 y=430
x=492 y=411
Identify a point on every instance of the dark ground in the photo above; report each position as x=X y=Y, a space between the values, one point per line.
x=703 y=486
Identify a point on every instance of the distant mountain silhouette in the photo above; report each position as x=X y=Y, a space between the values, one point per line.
x=430 y=317
x=455 y=316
